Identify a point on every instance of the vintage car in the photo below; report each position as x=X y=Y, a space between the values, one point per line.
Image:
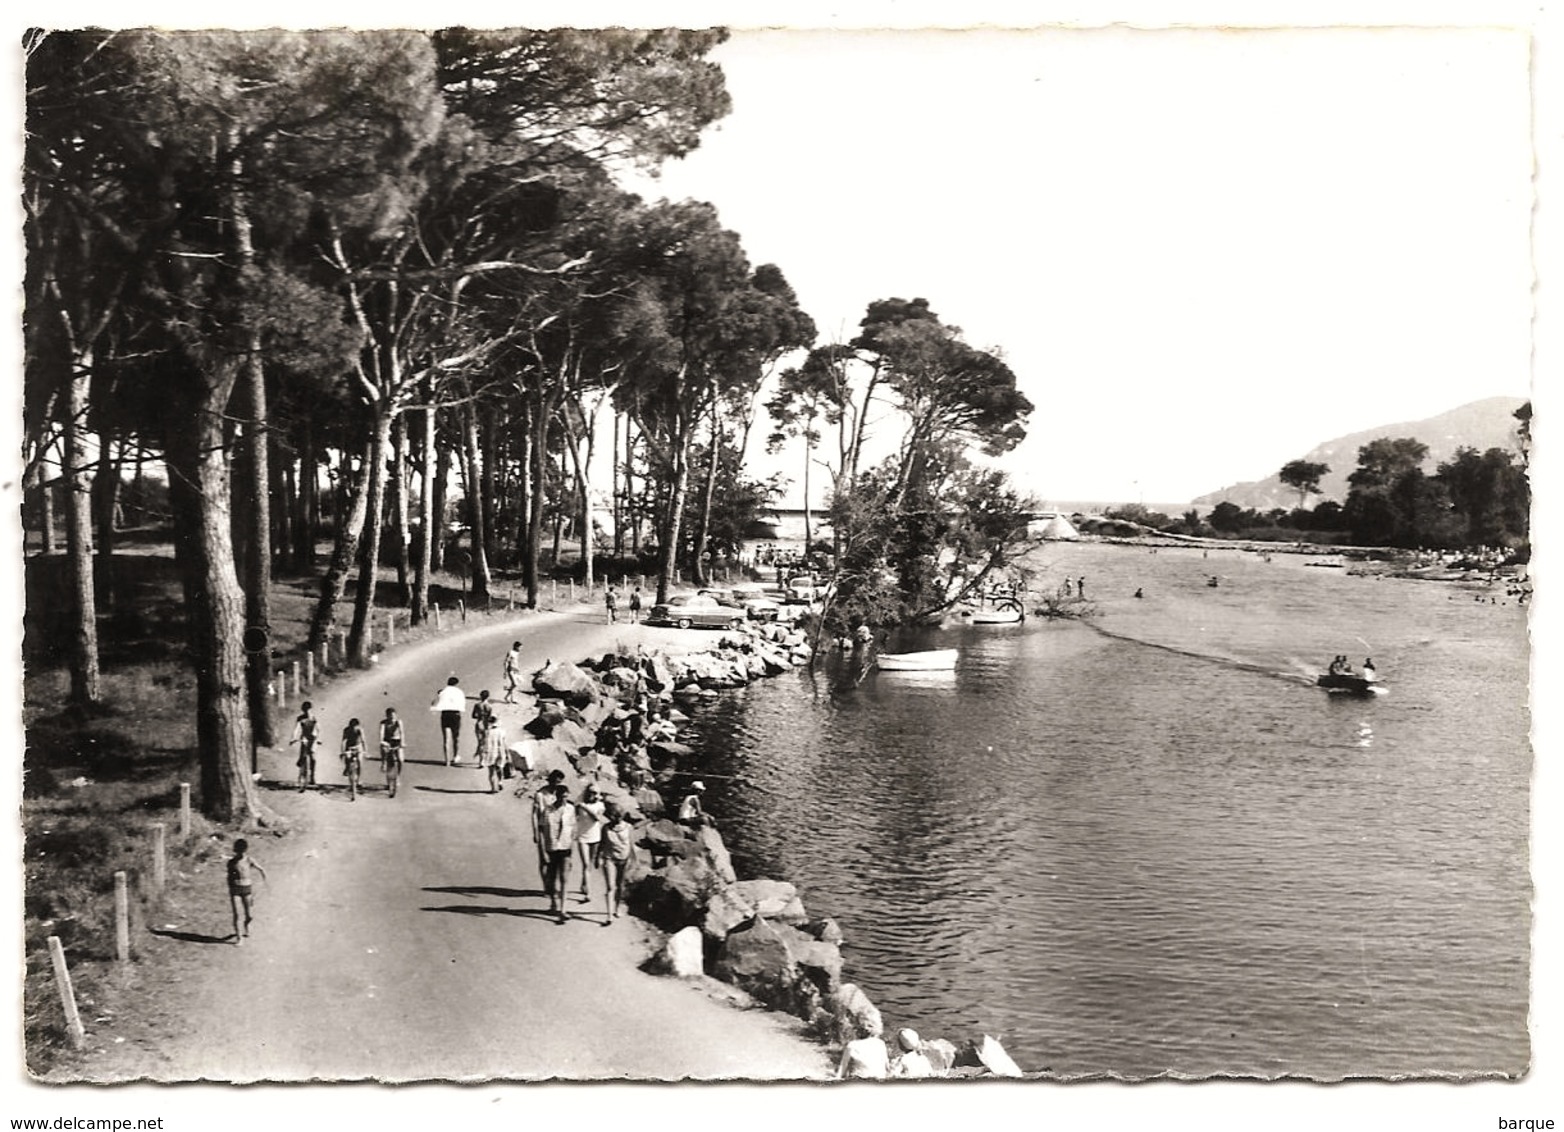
x=756 y=604
x=702 y=610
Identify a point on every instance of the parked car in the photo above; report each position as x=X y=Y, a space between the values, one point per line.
x=804 y=588
x=700 y=609
x=755 y=603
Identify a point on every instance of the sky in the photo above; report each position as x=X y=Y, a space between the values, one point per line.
x=1202 y=251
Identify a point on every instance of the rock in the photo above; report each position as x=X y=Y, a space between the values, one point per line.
x=717 y=854
x=676 y=896
x=941 y=1054
x=573 y=735
x=826 y=930
x=622 y=679
x=665 y=839
x=775 y=900
x=682 y=956
x=780 y=966
x=649 y=803
x=727 y=911
x=853 y=1015
x=567 y=682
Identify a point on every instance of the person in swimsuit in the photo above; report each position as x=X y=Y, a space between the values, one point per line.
x=391 y=750
x=353 y=756
x=241 y=887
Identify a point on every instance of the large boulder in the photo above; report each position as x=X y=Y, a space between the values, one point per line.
x=573 y=735
x=675 y=896
x=567 y=682
x=717 y=853
x=852 y=1015
x=683 y=955
x=727 y=911
x=775 y=900
x=781 y=967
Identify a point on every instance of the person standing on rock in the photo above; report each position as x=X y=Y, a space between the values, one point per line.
x=558 y=829
x=451 y=702
x=512 y=671
x=391 y=750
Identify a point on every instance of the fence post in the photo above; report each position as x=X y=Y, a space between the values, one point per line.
x=121 y=917
x=342 y=646
x=62 y=979
x=282 y=687
x=159 y=856
x=461 y=607
x=571 y=582
x=295 y=678
x=436 y=617
x=309 y=669
x=553 y=592
x=325 y=656
x=184 y=810
x=390 y=628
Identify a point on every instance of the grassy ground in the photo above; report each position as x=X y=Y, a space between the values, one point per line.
x=95 y=781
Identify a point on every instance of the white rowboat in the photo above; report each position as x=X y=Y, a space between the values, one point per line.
x=932 y=660
x=996 y=616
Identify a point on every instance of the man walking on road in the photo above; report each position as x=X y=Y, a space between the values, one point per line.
x=611 y=603
x=512 y=672
x=559 y=834
x=451 y=703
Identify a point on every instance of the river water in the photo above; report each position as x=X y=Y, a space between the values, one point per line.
x=1163 y=851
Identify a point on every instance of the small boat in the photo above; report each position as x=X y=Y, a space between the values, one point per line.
x=931 y=660
x=996 y=616
x=1347 y=682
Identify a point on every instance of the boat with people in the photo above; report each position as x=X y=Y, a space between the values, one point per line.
x=929 y=660
x=1340 y=677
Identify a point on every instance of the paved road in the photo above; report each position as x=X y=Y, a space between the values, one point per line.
x=407 y=938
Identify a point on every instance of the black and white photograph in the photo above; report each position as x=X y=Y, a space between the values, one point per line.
x=914 y=565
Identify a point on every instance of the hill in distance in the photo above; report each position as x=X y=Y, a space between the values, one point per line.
x=1482 y=425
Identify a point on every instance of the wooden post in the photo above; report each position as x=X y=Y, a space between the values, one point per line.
x=295 y=678
x=62 y=979
x=342 y=646
x=325 y=656
x=184 y=810
x=159 y=856
x=462 y=608
x=121 y=917
x=390 y=628
x=571 y=582
x=437 y=617
x=277 y=691
x=309 y=669
x=553 y=592
x=282 y=687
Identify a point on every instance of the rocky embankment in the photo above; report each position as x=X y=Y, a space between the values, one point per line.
x=612 y=720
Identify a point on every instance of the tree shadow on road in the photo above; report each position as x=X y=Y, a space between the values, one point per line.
x=446 y=790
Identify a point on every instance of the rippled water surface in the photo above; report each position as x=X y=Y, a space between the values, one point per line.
x=1151 y=846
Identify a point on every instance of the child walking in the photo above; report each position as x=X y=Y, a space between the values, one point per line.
x=241 y=887
x=618 y=847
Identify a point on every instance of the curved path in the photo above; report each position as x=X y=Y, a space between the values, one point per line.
x=407 y=939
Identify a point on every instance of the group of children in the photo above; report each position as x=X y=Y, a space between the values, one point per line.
x=307 y=737
x=602 y=834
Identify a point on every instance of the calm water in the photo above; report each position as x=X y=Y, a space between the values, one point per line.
x=1162 y=851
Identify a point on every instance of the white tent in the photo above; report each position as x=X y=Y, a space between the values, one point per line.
x=1053 y=525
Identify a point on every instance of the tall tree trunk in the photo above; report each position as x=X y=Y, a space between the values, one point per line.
x=279 y=464
x=398 y=510
x=426 y=513
x=105 y=505
x=309 y=500
x=47 y=542
x=477 y=512
x=375 y=452
x=199 y=491
x=344 y=556
x=703 y=528
x=525 y=543
x=618 y=511
x=442 y=480
x=537 y=449
x=83 y=651
x=489 y=496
